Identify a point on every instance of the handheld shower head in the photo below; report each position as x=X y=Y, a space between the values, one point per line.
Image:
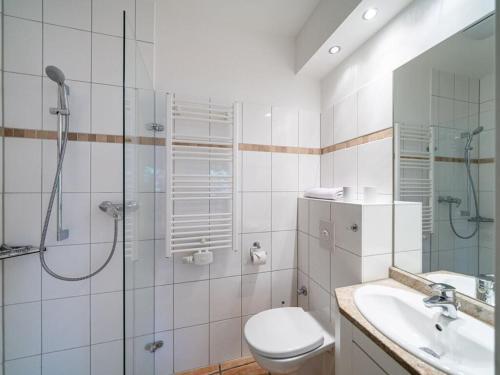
x=477 y=130
x=55 y=74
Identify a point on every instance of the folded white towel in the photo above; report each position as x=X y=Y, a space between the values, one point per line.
x=324 y=193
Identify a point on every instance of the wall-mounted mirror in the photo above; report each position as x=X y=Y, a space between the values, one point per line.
x=444 y=166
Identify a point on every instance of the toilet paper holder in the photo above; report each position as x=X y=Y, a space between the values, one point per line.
x=255 y=247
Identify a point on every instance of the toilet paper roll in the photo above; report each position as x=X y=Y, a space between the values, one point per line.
x=259 y=257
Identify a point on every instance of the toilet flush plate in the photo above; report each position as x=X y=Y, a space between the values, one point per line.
x=326 y=234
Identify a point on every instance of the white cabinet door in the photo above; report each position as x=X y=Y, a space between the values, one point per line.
x=362 y=364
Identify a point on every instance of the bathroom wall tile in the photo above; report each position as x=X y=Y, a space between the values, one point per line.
x=247 y=241
x=245 y=350
x=284 y=245
x=375 y=166
x=141 y=263
x=225 y=298
x=22 y=48
x=164 y=360
x=107 y=109
x=256 y=293
x=318 y=211
x=106 y=176
x=22 y=101
x=70 y=13
x=65 y=323
x=487 y=144
x=303 y=252
x=21 y=276
x=145 y=64
x=22 y=330
x=461 y=88
x=375 y=105
x=345 y=119
x=256 y=211
x=164 y=270
x=256 y=171
x=284 y=288
x=30 y=9
x=191 y=303
x=486 y=177
x=327 y=170
x=285 y=126
x=345 y=268
x=191 y=349
x=319 y=263
x=107 y=17
x=164 y=307
x=284 y=211
x=23 y=167
x=69 y=50
x=28 y=365
x=143 y=312
x=22 y=229
x=473 y=90
x=256 y=123
x=226 y=263
x=79 y=105
x=106 y=317
x=309 y=129
x=319 y=303
x=309 y=171
x=145 y=14
x=285 y=170
x=101 y=224
x=410 y=261
x=376 y=267
x=110 y=279
x=106 y=358
x=345 y=167
x=186 y=272
x=303 y=281
x=225 y=340
x=303 y=215
x=70 y=261
x=446 y=84
x=327 y=127
x=487 y=86
x=74 y=361
x=143 y=360
x=445 y=111
x=107 y=59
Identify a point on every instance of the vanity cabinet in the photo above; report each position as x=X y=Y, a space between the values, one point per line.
x=356 y=354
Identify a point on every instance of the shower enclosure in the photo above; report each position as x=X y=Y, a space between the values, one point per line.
x=82 y=149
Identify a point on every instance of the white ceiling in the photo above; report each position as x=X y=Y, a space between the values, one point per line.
x=278 y=17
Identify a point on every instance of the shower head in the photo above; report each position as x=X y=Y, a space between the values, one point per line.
x=55 y=74
x=477 y=130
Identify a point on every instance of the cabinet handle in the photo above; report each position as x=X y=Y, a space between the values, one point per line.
x=354 y=227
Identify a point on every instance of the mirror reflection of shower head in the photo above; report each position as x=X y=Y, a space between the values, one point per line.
x=477 y=130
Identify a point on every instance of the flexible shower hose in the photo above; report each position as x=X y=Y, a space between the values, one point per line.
x=47 y=221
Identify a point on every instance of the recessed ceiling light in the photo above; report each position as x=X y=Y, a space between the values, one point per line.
x=370 y=14
x=334 y=50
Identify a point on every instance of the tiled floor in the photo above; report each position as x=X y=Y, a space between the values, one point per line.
x=240 y=366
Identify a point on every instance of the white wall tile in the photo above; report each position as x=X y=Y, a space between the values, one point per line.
x=309 y=171
x=446 y=84
x=107 y=16
x=21 y=276
x=143 y=311
x=22 y=330
x=191 y=349
x=284 y=245
x=26 y=228
x=110 y=279
x=70 y=13
x=285 y=125
x=345 y=268
x=191 y=303
x=22 y=101
x=319 y=303
x=256 y=123
x=186 y=272
x=375 y=166
x=303 y=252
x=74 y=361
x=247 y=241
x=69 y=50
x=256 y=171
x=107 y=358
x=101 y=224
x=256 y=293
x=225 y=298
x=309 y=129
x=256 y=211
x=226 y=263
x=22 y=46
x=303 y=215
x=145 y=64
x=106 y=314
x=345 y=125
x=375 y=105
x=345 y=168
x=106 y=176
x=164 y=307
x=327 y=170
x=285 y=172
x=23 y=166
x=27 y=365
x=107 y=109
x=107 y=59
x=225 y=340
x=144 y=16
x=284 y=288
x=30 y=9
x=245 y=350
x=164 y=360
x=284 y=211
x=327 y=127
x=376 y=267
x=65 y=323
x=303 y=281
x=319 y=263
x=318 y=211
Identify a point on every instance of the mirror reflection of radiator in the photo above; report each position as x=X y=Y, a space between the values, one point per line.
x=414 y=169
x=201 y=185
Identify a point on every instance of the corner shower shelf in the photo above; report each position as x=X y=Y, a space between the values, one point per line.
x=7 y=252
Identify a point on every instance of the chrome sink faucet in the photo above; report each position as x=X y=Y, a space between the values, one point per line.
x=444 y=297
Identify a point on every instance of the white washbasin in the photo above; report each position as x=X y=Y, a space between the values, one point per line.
x=463 y=346
x=462 y=283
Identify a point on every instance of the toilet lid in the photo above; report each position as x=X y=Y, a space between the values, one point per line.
x=283 y=333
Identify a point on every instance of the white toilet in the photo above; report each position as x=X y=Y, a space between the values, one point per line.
x=282 y=340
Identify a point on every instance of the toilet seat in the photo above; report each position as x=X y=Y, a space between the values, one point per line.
x=283 y=333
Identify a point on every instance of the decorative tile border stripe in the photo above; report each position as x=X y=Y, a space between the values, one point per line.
x=78 y=137
x=282 y=149
x=375 y=136
x=461 y=160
